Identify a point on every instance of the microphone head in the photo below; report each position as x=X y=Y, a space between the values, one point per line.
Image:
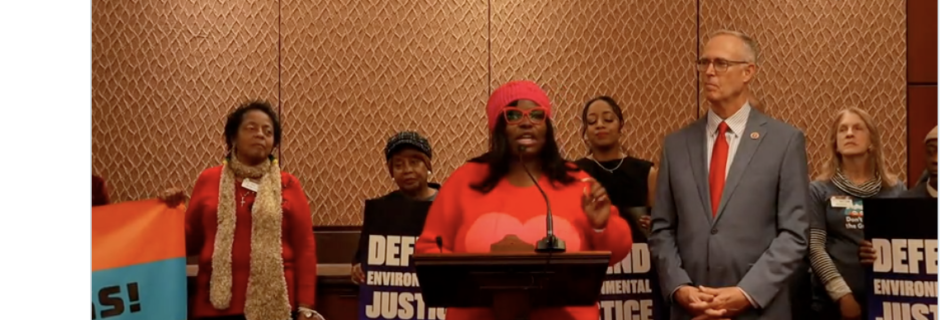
x=522 y=149
x=438 y=240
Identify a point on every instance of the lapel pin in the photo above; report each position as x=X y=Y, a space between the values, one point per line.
x=755 y=135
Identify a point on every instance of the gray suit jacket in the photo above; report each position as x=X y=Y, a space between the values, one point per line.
x=757 y=241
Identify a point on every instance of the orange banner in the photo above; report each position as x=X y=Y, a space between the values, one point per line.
x=138 y=262
x=136 y=232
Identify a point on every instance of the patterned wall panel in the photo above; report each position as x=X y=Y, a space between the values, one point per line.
x=164 y=74
x=638 y=52
x=355 y=72
x=818 y=58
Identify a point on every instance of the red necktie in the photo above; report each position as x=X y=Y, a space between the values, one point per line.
x=717 y=167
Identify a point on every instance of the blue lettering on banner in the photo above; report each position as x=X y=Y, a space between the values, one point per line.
x=627 y=293
x=391 y=290
x=904 y=283
x=148 y=291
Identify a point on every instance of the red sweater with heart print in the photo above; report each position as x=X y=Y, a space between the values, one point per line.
x=469 y=222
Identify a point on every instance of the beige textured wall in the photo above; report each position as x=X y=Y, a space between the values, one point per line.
x=639 y=53
x=164 y=75
x=356 y=73
x=346 y=74
x=819 y=59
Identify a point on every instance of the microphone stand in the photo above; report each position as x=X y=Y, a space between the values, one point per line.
x=550 y=243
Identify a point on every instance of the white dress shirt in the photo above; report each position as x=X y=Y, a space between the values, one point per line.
x=736 y=122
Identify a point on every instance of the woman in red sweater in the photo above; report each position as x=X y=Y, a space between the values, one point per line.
x=250 y=225
x=493 y=196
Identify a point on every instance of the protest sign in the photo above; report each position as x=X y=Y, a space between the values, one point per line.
x=138 y=262
x=630 y=291
x=903 y=280
x=391 y=290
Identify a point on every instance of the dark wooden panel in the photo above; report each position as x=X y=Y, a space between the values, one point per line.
x=336 y=244
x=336 y=295
x=922 y=41
x=338 y=301
x=921 y=118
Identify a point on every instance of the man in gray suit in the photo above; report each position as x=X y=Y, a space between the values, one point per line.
x=729 y=220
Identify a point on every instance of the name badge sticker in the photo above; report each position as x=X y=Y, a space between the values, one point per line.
x=249 y=185
x=841 y=201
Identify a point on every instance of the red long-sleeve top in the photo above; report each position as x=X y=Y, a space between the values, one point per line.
x=469 y=221
x=299 y=247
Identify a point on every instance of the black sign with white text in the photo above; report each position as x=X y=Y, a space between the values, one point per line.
x=391 y=290
x=903 y=280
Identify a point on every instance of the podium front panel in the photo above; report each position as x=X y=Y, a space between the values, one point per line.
x=549 y=280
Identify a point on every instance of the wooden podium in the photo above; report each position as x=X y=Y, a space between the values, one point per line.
x=511 y=280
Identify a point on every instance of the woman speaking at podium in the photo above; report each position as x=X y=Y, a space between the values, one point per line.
x=250 y=225
x=494 y=195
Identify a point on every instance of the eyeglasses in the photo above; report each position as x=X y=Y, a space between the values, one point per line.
x=720 y=65
x=518 y=116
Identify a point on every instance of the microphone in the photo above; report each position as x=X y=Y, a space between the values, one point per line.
x=550 y=243
x=438 y=242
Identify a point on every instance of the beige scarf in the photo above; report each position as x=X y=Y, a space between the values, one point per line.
x=266 y=288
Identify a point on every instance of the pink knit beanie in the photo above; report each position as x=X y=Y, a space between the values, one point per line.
x=514 y=91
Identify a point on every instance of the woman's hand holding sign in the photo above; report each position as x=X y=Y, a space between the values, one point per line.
x=172 y=197
x=356 y=274
x=867 y=253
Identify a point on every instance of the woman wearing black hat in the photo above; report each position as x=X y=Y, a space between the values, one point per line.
x=409 y=160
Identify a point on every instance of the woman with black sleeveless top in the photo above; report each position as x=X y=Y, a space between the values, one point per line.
x=629 y=181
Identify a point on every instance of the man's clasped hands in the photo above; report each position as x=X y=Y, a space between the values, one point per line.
x=706 y=303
